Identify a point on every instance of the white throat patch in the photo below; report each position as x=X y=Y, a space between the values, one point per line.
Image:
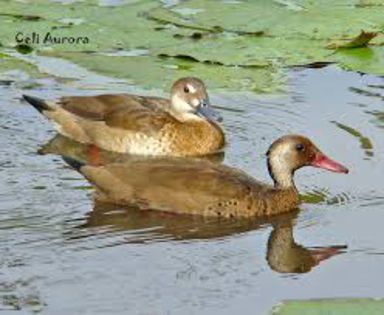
x=280 y=168
x=181 y=110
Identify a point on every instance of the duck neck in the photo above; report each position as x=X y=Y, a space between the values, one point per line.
x=282 y=175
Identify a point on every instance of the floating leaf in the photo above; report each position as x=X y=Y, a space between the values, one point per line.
x=365 y=60
x=359 y=41
x=244 y=48
x=317 y=19
x=161 y=72
x=330 y=307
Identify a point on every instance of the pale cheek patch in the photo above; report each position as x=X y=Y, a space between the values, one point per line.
x=191 y=88
x=195 y=102
x=180 y=105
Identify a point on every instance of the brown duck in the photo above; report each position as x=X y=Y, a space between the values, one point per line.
x=203 y=188
x=182 y=126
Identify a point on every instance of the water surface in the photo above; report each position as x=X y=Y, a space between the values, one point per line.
x=63 y=254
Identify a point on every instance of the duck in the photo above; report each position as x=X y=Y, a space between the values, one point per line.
x=195 y=187
x=184 y=125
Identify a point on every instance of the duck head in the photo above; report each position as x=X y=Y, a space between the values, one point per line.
x=289 y=153
x=189 y=100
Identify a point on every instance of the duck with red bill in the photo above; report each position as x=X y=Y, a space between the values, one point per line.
x=322 y=161
x=197 y=187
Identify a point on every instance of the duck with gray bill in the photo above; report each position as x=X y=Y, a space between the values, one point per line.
x=184 y=125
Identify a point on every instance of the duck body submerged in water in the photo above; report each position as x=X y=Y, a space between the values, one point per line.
x=196 y=187
x=185 y=125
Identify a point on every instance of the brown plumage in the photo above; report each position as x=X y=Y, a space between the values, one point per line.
x=203 y=188
x=125 y=123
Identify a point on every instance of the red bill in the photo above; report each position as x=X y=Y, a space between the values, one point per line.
x=322 y=161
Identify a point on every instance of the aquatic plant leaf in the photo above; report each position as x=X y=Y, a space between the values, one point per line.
x=330 y=307
x=105 y=27
x=191 y=35
x=155 y=73
x=287 y=36
x=362 y=40
x=316 y=20
x=365 y=60
x=249 y=52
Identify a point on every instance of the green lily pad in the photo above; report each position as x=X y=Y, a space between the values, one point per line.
x=105 y=27
x=161 y=72
x=315 y=20
x=292 y=37
x=240 y=45
x=251 y=51
x=331 y=307
x=362 y=40
x=366 y=60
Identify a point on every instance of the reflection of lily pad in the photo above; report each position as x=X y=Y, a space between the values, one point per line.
x=379 y=118
x=365 y=142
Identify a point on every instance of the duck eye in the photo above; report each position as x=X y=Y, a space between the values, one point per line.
x=186 y=89
x=299 y=147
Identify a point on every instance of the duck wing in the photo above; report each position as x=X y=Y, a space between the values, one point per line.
x=99 y=106
x=123 y=111
x=178 y=186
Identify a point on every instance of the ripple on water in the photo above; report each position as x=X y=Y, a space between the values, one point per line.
x=324 y=196
x=131 y=225
x=351 y=199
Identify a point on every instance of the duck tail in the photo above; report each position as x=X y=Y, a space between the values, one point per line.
x=37 y=103
x=75 y=164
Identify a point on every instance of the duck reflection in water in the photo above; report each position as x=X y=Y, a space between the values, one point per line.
x=283 y=254
x=92 y=155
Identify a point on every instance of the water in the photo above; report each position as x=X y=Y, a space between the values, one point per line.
x=62 y=254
